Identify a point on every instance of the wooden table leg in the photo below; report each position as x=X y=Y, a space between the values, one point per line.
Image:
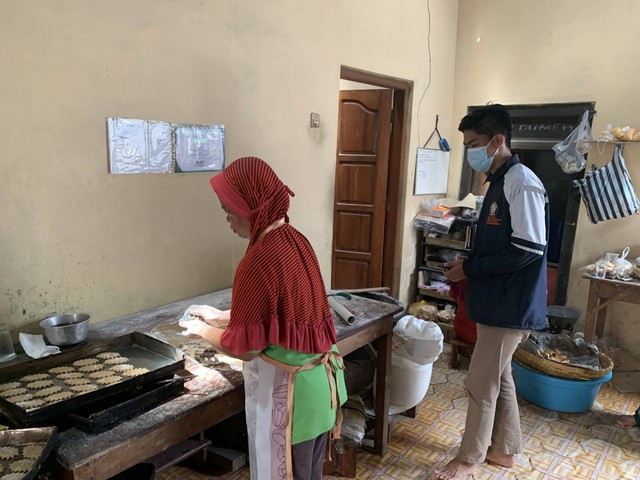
x=592 y=312
x=383 y=376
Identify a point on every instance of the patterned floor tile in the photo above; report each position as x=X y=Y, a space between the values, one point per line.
x=557 y=446
x=404 y=469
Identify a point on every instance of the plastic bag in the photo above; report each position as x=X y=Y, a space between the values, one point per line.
x=570 y=152
x=353 y=421
x=417 y=340
x=623 y=268
x=607 y=192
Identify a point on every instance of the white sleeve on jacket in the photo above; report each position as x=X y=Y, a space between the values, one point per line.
x=527 y=198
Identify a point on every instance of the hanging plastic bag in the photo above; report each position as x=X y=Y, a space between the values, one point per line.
x=607 y=192
x=570 y=152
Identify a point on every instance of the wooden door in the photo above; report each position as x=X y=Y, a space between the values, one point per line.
x=364 y=126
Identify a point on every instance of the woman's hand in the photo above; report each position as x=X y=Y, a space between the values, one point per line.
x=192 y=327
x=210 y=315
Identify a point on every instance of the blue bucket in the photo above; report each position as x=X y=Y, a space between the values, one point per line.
x=553 y=393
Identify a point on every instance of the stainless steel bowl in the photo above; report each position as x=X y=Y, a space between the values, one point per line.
x=66 y=328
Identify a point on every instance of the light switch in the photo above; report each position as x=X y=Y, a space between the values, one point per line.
x=315 y=120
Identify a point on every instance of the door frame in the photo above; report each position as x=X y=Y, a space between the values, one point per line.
x=393 y=233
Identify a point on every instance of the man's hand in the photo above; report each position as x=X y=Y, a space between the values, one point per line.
x=453 y=270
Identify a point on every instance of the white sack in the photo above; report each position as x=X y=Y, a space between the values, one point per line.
x=409 y=384
x=418 y=340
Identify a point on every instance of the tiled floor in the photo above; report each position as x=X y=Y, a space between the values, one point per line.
x=557 y=445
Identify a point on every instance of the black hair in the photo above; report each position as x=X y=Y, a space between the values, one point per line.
x=489 y=121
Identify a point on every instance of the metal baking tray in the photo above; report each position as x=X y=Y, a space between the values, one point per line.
x=159 y=358
x=102 y=415
x=19 y=439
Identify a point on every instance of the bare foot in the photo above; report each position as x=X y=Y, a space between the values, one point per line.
x=455 y=470
x=626 y=421
x=501 y=459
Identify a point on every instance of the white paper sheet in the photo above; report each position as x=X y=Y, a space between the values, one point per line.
x=432 y=171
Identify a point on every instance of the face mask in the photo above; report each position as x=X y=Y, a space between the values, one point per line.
x=478 y=159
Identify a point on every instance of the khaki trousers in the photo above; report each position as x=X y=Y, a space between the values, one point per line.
x=493 y=418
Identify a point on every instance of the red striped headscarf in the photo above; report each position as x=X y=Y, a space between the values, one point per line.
x=251 y=189
x=278 y=295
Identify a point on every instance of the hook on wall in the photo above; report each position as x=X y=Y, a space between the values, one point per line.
x=442 y=142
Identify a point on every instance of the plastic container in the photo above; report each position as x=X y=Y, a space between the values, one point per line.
x=553 y=393
x=6 y=346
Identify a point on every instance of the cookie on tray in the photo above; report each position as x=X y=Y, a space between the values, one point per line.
x=116 y=360
x=45 y=392
x=121 y=367
x=20 y=398
x=21 y=466
x=84 y=388
x=31 y=404
x=107 y=355
x=91 y=368
x=13 y=476
x=58 y=397
x=67 y=376
x=83 y=362
x=9 y=386
x=14 y=392
x=8 y=452
x=34 y=377
x=63 y=369
x=77 y=381
x=39 y=384
x=110 y=380
x=32 y=450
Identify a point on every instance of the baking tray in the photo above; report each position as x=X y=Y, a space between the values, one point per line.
x=102 y=415
x=143 y=351
x=20 y=440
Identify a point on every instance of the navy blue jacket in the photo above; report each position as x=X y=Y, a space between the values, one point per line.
x=507 y=266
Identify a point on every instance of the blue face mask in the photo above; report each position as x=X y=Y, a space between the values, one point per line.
x=478 y=159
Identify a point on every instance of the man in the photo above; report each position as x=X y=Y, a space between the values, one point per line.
x=506 y=294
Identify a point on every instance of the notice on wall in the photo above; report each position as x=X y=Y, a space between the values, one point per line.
x=198 y=148
x=139 y=146
x=432 y=171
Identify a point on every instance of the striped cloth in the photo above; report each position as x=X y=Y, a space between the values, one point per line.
x=278 y=295
x=607 y=192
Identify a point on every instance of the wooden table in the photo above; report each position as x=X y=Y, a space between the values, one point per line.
x=212 y=397
x=602 y=293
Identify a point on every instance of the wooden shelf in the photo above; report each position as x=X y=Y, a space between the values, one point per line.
x=435 y=294
x=445 y=242
x=178 y=453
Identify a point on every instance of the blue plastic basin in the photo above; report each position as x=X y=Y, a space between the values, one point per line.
x=555 y=393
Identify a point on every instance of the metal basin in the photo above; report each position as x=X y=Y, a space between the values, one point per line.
x=66 y=328
x=561 y=317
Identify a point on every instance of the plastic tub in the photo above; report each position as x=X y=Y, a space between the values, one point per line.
x=553 y=393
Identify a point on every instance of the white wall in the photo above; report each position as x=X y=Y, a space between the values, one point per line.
x=75 y=238
x=546 y=51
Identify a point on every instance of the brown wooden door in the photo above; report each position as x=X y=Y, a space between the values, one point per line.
x=364 y=122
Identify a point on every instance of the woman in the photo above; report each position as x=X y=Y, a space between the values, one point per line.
x=280 y=324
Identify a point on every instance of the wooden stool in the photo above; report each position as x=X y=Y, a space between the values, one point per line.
x=458 y=346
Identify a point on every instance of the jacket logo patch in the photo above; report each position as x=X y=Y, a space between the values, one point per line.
x=493 y=219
